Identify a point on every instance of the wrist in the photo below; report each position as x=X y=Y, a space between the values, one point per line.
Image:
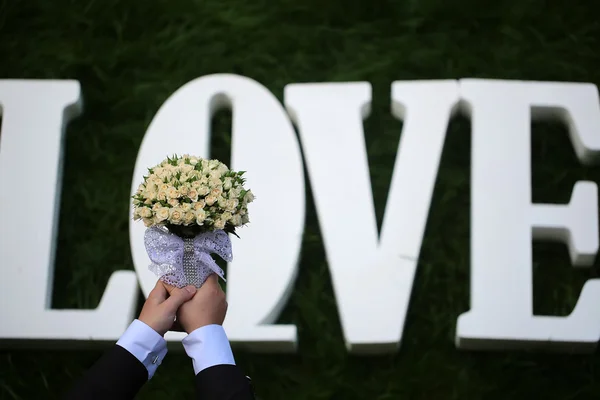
x=197 y=326
x=208 y=346
x=152 y=326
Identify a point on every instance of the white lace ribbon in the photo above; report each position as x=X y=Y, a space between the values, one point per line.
x=180 y=262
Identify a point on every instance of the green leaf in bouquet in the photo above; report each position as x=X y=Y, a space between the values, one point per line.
x=231 y=229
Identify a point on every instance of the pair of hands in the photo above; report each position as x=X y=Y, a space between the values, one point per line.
x=193 y=308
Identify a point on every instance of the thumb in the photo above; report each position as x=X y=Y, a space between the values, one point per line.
x=178 y=297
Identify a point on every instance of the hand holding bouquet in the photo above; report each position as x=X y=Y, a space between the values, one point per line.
x=189 y=206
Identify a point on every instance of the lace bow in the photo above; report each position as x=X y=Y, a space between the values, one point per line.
x=186 y=261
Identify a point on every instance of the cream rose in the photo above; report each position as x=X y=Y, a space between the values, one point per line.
x=151 y=195
x=189 y=217
x=151 y=191
x=145 y=212
x=219 y=224
x=210 y=200
x=231 y=204
x=158 y=171
x=245 y=219
x=199 y=205
x=136 y=213
x=192 y=194
x=183 y=177
x=226 y=216
x=236 y=220
x=222 y=168
x=216 y=183
x=235 y=192
x=162 y=214
x=249 y=197
x=183 y=190
x=203 y=190
x=200 y=216
x=217 y=191
x=186 y=168
x=154 y=180
x=191 y=190
x=175 y=215
x=164 y=173
x=213 y=164
x=172 y=193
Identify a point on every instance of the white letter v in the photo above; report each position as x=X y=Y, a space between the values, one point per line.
x=372 y=277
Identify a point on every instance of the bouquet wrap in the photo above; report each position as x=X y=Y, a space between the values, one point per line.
x=189 y=206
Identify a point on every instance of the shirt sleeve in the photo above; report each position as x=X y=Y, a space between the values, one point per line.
x=208 y=346
x=145 y=344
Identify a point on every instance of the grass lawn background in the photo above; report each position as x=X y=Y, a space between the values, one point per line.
x=130 y=56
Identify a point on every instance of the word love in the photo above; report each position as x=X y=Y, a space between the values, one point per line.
x=504 y=222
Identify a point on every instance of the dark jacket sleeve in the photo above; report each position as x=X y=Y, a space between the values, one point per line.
x=116 y=375
x=223 y=382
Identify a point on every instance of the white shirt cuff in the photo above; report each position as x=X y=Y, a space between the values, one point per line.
x=145 y=344
x=208 y=346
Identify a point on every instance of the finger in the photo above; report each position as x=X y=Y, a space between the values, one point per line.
x=216 y=283
x=211 y=284
x=212 y=281
x=158 y=294
x=168 y=287
x=178 y=297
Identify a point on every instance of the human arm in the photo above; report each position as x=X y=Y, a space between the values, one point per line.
x=216 y=375
x=122 y=371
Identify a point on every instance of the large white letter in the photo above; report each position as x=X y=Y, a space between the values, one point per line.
x=260 y=279
x=34 y=116
x=504 y=221
x=372 y=276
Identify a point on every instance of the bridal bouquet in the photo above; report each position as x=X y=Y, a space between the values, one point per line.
x=189 y=206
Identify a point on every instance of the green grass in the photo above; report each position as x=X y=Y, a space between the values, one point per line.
x=130 y=56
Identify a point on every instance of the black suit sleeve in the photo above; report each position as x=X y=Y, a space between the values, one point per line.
x=117 y=375
x=223 y=382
